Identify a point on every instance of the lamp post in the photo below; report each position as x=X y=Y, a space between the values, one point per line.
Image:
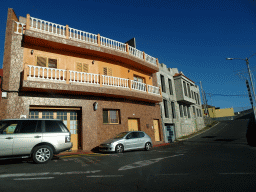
x=251 y=82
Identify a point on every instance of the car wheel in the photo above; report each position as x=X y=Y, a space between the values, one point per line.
x=119 y=148
x=42 y=154
x=148 y=146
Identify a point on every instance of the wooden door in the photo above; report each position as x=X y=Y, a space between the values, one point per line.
x=156 y=129
x=133 y=125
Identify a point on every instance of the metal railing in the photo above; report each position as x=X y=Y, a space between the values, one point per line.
x=82 y=77
x=115 y=81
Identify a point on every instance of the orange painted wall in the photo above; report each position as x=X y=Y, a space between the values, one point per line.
x=69 y=63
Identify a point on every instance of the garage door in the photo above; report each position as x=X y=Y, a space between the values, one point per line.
x=69 y=118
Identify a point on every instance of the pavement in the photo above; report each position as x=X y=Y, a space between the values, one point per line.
x=79 y=152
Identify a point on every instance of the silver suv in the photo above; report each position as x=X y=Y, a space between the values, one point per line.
x=37 y=138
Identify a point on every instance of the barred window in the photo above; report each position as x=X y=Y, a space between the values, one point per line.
x=82 y=67
x=107 y=71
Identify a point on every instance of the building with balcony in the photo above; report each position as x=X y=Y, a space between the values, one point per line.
x=181 y=106
x=99 y=87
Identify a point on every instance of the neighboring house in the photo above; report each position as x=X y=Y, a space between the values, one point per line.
x=181 y=106
x=217 y=112
x=99 y=87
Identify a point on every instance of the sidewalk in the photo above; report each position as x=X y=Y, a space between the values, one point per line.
x=78 y=152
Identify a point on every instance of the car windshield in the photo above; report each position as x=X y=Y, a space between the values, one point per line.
x=120 y=135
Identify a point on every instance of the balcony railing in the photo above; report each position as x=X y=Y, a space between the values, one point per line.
x=82 y=35
x=48 y=27
x=38 y=73
x=82 y=77
x=75 y=34
x=138 y=86
x=19 y=27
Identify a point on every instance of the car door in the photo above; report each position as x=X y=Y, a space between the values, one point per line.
x=131 y=141
x=142 y=140
x=28 y=135
x=7 y=137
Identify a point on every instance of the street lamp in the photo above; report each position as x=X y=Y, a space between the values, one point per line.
x=251 y=82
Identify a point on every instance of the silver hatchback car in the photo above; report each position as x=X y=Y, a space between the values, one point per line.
x=127 y=141
x=36 y=138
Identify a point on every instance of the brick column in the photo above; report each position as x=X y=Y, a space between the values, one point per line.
x=144 y=56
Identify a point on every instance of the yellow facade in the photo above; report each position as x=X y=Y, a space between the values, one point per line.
x=214 y=113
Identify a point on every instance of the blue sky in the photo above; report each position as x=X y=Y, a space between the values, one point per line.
x=195 y=36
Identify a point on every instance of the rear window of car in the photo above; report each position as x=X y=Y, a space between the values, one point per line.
x=52 y=127
x=141 y=134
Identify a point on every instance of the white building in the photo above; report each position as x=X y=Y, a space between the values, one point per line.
x=181 y=107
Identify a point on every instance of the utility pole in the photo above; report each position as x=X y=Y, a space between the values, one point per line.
x=204 y=99
x=250 y=78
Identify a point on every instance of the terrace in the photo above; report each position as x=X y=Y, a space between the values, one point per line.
x=102 y=46
x=59 y=80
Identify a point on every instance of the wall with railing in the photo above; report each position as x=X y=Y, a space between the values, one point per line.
x=38 y=73
x=78 y=35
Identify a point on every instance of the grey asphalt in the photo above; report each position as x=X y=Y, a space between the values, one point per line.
x=217 y=160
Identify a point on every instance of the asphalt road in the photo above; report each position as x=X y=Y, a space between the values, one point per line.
x=216 y=160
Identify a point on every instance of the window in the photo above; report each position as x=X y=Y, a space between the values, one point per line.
x=111 y=116
x=197 y=113
x=170 y=86
x=181 y=111
x=173 y=110
x=185 y=110
x=162 y=83
x=200 y=112
x=30 y=127
x=34 y=114
x=138 y=79
x=185 y=88
x=166 y=109
x=52 y=127
x=189 y=112
x=46 y=62
x=194 y=110
x=189 y=93
x=107 y=71
x=82 y=67
x=47 y=114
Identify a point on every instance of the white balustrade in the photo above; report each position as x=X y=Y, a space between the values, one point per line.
x=112 y=44
x=82 y=77
x=150 y=59
x=138 y=86
x=115 y=81
x=19 y=27
x=135 y=52
x=83 y=36
x=47 y=26
x=38 y=72
x=153 y=89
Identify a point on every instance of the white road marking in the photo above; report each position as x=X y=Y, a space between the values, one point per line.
x=105 y=176
x=35 y=178
x=47 y=173
x=144 y=163
x=241 y=173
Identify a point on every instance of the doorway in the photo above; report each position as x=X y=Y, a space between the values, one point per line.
x=133 y=124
